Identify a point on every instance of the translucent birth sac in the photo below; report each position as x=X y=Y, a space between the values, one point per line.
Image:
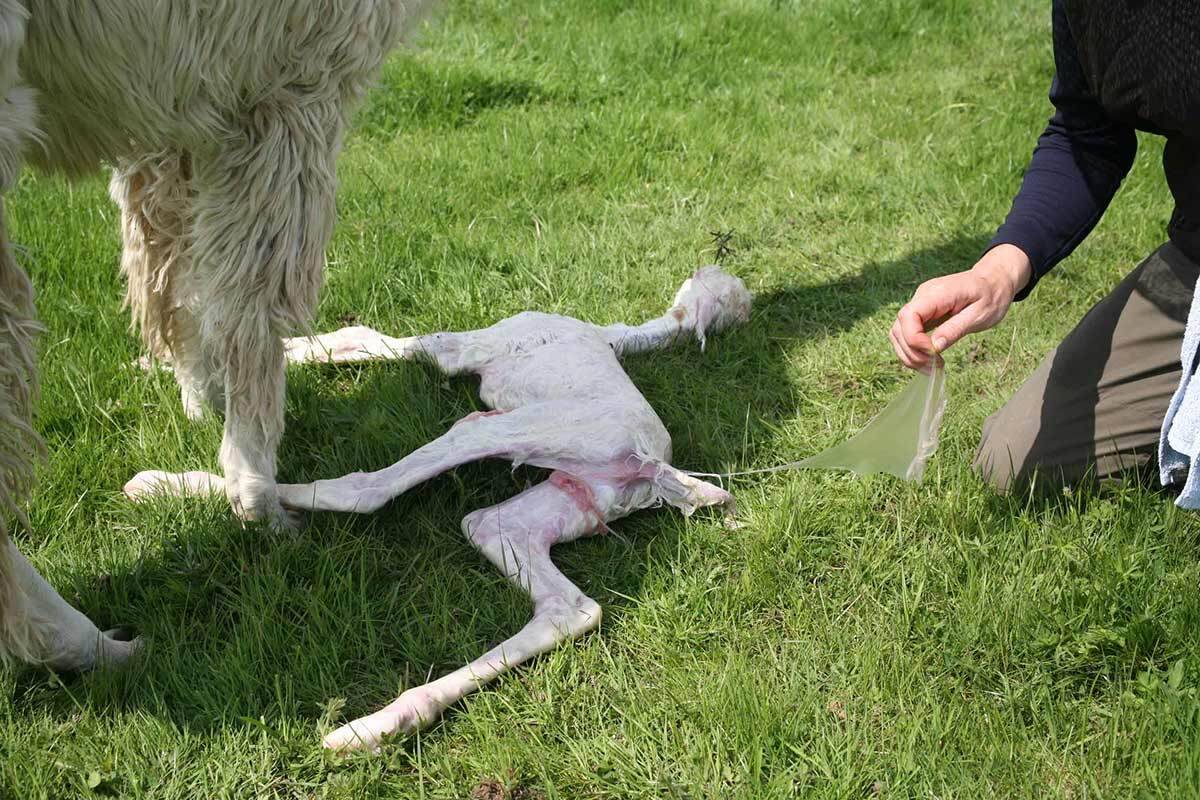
x=900 y=439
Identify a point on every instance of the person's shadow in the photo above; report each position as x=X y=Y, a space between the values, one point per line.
x=247 y=624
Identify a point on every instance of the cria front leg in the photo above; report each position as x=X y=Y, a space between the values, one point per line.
x=453 y=353
x=516 y=536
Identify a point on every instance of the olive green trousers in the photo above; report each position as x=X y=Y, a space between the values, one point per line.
x=1095 y=405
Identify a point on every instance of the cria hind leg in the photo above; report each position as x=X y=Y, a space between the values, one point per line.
x=366 y=492
x=540 y=434
x=475 y=437
x=532 y=434
x=516 y=536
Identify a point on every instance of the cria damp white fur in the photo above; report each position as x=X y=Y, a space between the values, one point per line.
x=560 y=400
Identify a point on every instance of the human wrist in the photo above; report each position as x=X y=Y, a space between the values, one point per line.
x=1007 y=267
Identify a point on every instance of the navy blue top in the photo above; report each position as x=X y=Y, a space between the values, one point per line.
x=1078 y=164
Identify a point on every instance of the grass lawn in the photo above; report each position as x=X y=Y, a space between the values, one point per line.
x=857 y=638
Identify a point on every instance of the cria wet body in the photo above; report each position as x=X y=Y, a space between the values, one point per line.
x=560 y=400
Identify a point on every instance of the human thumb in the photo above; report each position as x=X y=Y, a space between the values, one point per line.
x=950 y=331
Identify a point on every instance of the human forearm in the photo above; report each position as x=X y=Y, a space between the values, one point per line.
x=1069 y=183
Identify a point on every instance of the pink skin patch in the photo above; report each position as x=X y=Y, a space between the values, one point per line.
x=581 y=494
x=474 y=415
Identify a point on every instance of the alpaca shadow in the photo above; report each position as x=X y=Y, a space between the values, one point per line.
x=415 y=95
x=332 y=622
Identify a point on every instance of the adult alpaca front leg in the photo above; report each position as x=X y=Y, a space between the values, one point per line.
x=264 y=211
x=36 y=624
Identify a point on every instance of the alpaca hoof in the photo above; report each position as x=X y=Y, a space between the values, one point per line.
x=288 y=520
x=414 y=710
x=145 y=484
x=118 y=646
x=271 y=513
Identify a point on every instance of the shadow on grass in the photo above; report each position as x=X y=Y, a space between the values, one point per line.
x=248 y=624
x=722 y=407
x=416 y=95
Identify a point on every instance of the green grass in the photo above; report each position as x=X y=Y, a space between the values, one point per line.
x=856 y=638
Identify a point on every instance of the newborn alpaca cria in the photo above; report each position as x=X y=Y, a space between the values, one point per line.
x=562 y=402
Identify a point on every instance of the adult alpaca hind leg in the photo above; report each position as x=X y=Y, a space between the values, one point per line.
x=154 y=196
x=263 y=214
x=36 y=624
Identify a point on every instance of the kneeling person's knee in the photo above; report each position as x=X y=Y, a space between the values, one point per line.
x=1001 y=455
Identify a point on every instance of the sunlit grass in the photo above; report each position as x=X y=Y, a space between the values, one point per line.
x=855 y=638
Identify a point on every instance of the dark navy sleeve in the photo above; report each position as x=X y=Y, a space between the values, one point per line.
x=1076 y=168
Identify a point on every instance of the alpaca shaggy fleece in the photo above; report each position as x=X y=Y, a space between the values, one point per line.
x=223 y=120
x=19 y=444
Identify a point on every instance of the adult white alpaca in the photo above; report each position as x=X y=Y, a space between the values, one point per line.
x=223 y=119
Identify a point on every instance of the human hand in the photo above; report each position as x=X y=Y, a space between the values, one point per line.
x=952 y=306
